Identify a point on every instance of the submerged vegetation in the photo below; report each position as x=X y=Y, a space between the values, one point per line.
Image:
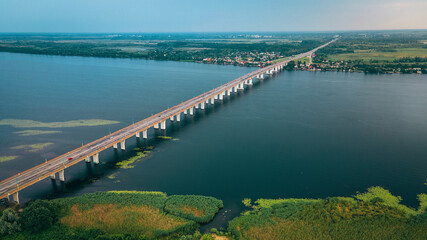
x=22 y=123
x=26 y=133
x=7 y=158
x=164 y=137
x=33 y=147
x=140 y=153
x=112 y=176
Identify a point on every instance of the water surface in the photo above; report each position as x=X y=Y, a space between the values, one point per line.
x=297 y=134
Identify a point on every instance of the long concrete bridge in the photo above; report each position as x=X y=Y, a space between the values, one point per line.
x=12 y=185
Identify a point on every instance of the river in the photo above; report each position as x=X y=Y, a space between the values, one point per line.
x=295 y=135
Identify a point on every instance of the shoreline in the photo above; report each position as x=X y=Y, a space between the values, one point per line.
x=162 y=216
x=208 y=63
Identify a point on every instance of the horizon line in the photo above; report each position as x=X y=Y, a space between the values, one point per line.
x=201 y=32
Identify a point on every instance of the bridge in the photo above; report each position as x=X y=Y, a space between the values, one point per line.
x=12 y=185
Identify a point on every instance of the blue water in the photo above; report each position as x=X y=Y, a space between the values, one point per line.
x=297 y=134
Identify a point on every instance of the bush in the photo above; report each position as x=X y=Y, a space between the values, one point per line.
x=39 y=215
x=9 y=222
x=201 y=209
x=383 y=196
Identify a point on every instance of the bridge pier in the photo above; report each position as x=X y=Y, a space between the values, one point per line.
x=53 y=176
x=202 y=105
x=172 y=118
x=115 y=145
x=137 y=135
x=123 y=144
x=220 y=96
x=191 y=111
x=156 y=126
x=144 y=134
x=229 y=92
x=62 y=176
x=207 y=101
x=15 y=197
x=87 y=159
x=196 y=106
x=250 y=82
x=235 y=89
x=185 y=112
x=216 y=97
x=163 y=125
x=178 y=117
x=212 y=101
x=260 y=76
x=95 y=158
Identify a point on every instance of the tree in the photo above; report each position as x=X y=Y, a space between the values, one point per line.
x=39 y=215
x=290 y=66
x=9 y=222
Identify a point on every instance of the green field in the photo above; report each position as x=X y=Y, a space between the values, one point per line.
x=367 y=55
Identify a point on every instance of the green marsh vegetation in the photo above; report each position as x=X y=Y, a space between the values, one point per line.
x=7 y=158
x=104 y=215
x=22 y=123
x=26 y=133
x=375 y=214
x=32 y=147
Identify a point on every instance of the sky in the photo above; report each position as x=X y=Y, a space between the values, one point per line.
x=209 y=16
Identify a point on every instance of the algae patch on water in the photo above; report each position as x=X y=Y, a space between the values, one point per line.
x=164 y=137
x=113 y=176
x=7 y=158
x=22 y=123
x=34 y=132
x=33 y=147
x=167 y=138
x=140 y=153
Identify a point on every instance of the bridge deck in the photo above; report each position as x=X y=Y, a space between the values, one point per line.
x=24 y=179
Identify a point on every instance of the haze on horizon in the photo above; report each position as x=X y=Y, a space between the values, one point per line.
x=210 y=16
